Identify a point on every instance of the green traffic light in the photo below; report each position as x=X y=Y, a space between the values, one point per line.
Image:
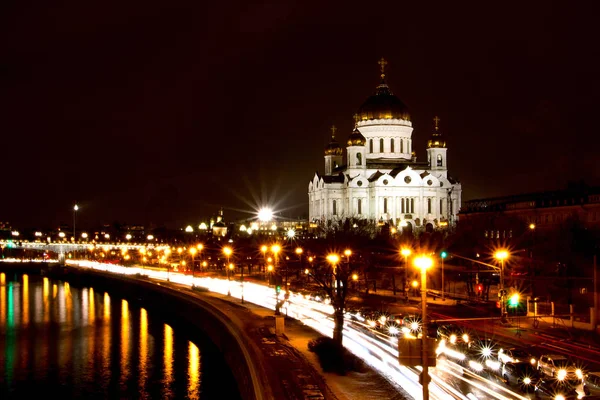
x=514 y=300
x=443 y=254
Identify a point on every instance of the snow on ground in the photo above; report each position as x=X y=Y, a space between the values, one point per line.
x=368 y=385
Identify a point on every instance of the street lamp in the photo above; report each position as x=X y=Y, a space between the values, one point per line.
x=75 y=209
x=193 y=252
x=502 y=255
x=275 y=249
x=227 y=251
x=423 y=263
x=405 y=252
x=264 y=249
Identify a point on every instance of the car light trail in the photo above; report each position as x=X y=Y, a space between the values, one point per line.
x=375 y=348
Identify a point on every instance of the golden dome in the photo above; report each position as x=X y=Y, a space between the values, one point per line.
x=383 y=105
x=356 y=138
x=437 y=139
x=333 y=148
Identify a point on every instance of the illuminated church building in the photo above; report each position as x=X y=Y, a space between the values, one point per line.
x=383 y=182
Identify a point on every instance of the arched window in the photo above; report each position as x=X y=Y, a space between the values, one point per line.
x=370 y=145
x=385 y=205
x=402 y=202
x=359 y=206
x=429 y=205
x=439 y=160
x=358 y=159
x=441 y=206
x=392 y=145
x=334 y=207
x=412 y=205
x=381 y=145
x=401 y=146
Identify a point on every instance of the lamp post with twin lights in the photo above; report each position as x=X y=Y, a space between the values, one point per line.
x=424 y=262
x=275 y=249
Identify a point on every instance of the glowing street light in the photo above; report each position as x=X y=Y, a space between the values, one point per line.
x=227 y=251
x=502 y=255
x=75 y=209
x=265 y=214
x=424 y=262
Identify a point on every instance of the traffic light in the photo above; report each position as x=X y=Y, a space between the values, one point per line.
x=514 y=300
x=443 y=254
x=278 y=289
x=480 y=288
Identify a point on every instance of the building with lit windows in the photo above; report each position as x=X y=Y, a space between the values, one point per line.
x=382 y=181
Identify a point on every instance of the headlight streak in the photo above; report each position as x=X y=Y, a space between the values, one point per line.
x=495 y=387
x=376 y=349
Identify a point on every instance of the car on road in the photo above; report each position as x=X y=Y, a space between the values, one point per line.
x=549 y=388
x=521 y=375
x=515 y=354
x=591 y=384
x=560 y=367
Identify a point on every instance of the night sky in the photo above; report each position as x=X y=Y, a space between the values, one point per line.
x=159 y=113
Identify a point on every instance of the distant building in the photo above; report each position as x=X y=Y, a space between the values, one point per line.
x=507 y=216
x=382 y=180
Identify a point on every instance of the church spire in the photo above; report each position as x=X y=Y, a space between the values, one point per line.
x=437 y=138
x=333 y=129
x=382 y=63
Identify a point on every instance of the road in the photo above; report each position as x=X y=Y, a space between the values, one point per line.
x=450 y=380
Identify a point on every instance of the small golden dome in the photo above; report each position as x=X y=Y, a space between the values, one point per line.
x=356 y=138
x=333 y=148
x=437 y=139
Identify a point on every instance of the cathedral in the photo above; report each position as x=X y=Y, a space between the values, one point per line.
x=382 y=181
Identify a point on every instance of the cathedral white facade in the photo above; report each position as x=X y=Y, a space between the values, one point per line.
x=382 y=180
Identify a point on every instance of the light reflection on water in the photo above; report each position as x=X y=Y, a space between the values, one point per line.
x=82 y=343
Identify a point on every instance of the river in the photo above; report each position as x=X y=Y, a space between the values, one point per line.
x=61 y=341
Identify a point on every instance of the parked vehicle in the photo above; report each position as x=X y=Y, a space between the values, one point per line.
x=521 y=374
x=559 y=367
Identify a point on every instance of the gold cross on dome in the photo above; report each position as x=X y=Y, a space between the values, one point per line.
x=333 y=129
x=436 y=120
x=382 y=63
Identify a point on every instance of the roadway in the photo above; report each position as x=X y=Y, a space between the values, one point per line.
x=450 y=380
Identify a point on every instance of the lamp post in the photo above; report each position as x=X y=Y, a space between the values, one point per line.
x=264 y=249
x=502 y=255
x=227 y=251
x=299 y=251
x=75 y=209
x=405 y=252
x=423 y=263
x=200 y=247
x=275 y=249
x=193 y=252
x=532 y=271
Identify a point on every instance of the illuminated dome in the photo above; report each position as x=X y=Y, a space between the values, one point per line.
x=383 y=105
x=437 y=138
x=333 y=148
x=356 y=139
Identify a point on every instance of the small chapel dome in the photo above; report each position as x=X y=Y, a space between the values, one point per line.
x=356 y=139
x=333 y=148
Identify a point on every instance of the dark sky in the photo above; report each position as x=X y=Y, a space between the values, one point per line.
x=162 y=112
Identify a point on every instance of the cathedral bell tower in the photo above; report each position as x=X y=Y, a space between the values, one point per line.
x=356 y=152
x=436 y=150
x=333 y=154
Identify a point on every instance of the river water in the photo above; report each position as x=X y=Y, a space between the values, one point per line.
x=60 y=341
